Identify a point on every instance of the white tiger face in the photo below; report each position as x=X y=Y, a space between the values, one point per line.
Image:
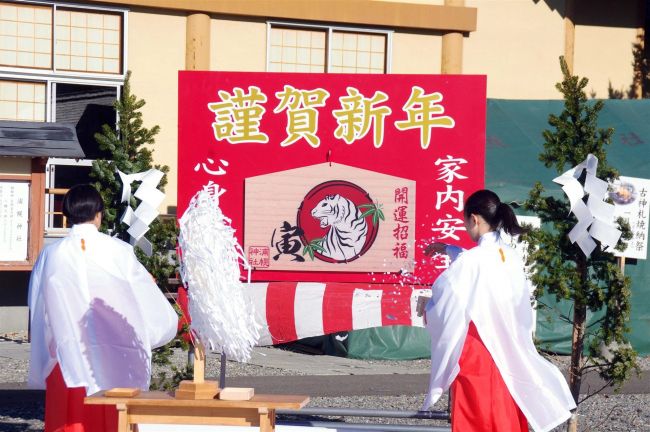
x=330 y=210
x=348 y=228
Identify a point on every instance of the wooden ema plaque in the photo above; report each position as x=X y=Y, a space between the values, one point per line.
x=329 y=218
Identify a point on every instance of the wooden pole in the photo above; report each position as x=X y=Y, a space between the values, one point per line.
x=621 y=264
x=452 y=47
x=640 y=50
x=197 y=42
x=199 y=362
x=569 y=34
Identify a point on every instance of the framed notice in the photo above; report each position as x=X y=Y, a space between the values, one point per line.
x=14 y=220
x=630 y=197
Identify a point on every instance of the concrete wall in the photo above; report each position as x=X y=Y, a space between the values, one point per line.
x=416 y=53
x=238 y=45
x=517 y=44
x=156 y=49
x=604 y=39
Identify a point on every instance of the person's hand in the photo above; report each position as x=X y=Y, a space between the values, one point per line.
x=434 y=248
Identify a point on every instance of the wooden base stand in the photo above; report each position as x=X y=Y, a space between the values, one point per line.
x=197 y=391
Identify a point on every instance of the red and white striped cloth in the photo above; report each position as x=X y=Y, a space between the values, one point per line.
x=294 y=310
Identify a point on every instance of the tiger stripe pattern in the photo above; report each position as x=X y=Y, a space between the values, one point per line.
x=348 y=229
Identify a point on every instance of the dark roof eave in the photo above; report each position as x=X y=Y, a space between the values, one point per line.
x=38 y=139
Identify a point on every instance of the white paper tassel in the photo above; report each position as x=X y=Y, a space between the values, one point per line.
x=596 y=218
x=223 y=318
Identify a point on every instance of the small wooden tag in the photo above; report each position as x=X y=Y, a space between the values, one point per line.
x=237 y=393
x=122 y=392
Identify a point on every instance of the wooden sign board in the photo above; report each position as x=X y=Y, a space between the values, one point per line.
x=329 y=217
x=267 y=140
x=630 y=196
x=14 y=220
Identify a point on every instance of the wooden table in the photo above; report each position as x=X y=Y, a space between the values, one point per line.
x=162 y=408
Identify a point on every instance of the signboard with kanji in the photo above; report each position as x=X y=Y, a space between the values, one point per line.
x=336 y=175
x=630 y=197
x=14 y=218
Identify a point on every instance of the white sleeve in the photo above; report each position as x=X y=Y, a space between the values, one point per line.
x=41 y=361
x=453 y=251
x=159 y=317
x=447 y=323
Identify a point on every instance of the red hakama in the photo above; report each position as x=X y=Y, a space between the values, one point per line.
x=480 y=400
x=65 y=410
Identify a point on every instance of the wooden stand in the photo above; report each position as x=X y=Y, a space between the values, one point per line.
x=161 y=408
x=195 y=403
x=198 y=389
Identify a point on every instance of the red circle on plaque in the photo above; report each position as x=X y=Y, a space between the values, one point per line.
x=330 y=217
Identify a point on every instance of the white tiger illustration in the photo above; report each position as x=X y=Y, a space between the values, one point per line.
x=348 y=231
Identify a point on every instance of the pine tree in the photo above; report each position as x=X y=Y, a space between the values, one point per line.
x=594 y=284
x=127 y=149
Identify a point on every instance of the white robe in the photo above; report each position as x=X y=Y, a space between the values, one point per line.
x=97 y=312
x=480 y=287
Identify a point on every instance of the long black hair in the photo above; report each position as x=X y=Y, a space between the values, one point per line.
x=497 y=214
x=81 y=203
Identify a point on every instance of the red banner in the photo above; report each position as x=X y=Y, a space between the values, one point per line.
x=335 y=177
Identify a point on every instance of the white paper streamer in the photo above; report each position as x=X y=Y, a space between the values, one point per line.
x=596 y=218
x=138 y=221
x=222 y=317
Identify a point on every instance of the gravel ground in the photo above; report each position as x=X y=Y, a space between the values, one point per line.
x=623 y=412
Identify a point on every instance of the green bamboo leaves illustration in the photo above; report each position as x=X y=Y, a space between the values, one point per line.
x=374 y=209
x=314 y=246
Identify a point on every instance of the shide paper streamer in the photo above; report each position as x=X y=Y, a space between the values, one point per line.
x=222 y=317
x=150 y=197
x=596 y=217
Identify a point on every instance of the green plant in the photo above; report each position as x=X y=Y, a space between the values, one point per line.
x=127 y=149
x=593 y=284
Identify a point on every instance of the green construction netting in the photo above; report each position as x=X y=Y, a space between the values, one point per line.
x=514 y=141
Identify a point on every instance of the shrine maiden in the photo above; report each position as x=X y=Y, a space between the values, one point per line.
x=95 y=315
x=481 y=322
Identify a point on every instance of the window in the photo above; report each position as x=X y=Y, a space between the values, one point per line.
x=358 y=53
x=294 y=50
x=326 y=49
x=22 y=100
x=88 y=107
x=62 y=62
x=79 y=39
x=88 y=42
x=25 y=35
x=60 y=175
